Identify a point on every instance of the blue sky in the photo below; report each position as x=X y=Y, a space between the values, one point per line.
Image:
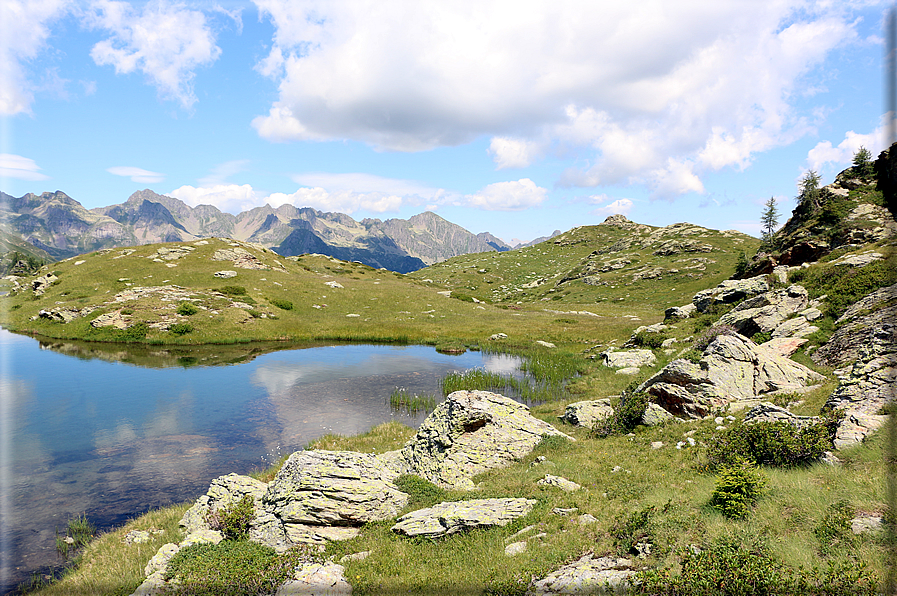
x=512 y=117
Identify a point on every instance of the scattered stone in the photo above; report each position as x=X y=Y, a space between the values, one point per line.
x=656 y=444
x=866 y=524
x=202 y=537
x=224 y=491
x=240 y=257
x=643 y=549
x=860 y=260
x=497 y=336
x=333 y=284
x=680 y=312
x=587 y=413
x=561 y=483
x=586 y=519
x=763 y=313
x=587 y=575
x=59 y=314
x=545 y=344
x=225 y=274
x=352 y=315
x=519 y=533
x=111 y=319
x=355 y=556
x=164 y=253
x=136 y=537
x=629 y=370
x=782 y=346
x=564 y=510
x=467 y=434
x=460 y=516
x=515 y=548
x=856 y=327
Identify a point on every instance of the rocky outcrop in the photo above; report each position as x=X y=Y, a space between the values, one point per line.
x=866 y=387
x=768 y=412
x=461 y=516
x=587 y=575
x=729 y=291
x=587 y=413
x=469 y=433
x=42 y=283
x=316 y=579
x=733 y=371
x=857 y=327
x=224 y=491
x=655 y=415
x=766 y=312
x=680 y=312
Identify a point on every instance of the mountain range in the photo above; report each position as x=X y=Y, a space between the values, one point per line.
x=60 y=226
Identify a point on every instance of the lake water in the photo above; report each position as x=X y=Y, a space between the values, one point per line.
x=113 y=433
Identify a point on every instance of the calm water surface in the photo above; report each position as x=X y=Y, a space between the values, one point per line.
x=88 y=431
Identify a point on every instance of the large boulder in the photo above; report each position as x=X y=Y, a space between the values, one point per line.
x=460 y=516
x=733 y=371
x=469 y=433
x=729 y=291
x=866 y=387
x=629 y=358
x=764 y=313
x=587 y=413
x=587 y=575
x=334 y=488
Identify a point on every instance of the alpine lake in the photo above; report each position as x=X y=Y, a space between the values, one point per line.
x=111 y=431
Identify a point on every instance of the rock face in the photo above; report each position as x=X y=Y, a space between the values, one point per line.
x=334 y=488
x=732 y=369
x=587 y=413
x=460 y=516
x=629 y=358
x=766 y=312
x=680 y=312
x=588 y=575
x=857 y=327
x=40 y=285
x=730 y=290
x=469 y=433
x=866 y=386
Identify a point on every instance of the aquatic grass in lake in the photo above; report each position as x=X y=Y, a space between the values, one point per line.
x=401 y=399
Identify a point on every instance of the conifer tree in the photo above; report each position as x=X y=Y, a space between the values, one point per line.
x=769 y=221
x=809 y=189
x=862 y=162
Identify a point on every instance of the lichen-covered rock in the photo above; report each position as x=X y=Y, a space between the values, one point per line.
x=768 y=412
x=866 y=387
x=680 y=312
x=316 y=579
x=223 y=492
x=587 y=413
x=559 y=482
x=767 y=311
x=732 y=369
x=202 y=537
x=460 y=516
x=469 y=433
x=629 y=358
x=337 y=488
x=40 y=285
x=655 y=415
x=587 y=575
x=729 y=291
x=857 y=325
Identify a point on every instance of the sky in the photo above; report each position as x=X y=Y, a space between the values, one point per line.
x=513 y=117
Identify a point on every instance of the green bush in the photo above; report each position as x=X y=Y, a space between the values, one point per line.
x=737 y=489
x=844 y=285
x=181 y=328
x=692 y=355
x=761 y=338
x=769 y=443
x=234 y=519
x=647 y=339
x=233 y=290
x=627 y=415
x=229 y=567
x=186 y=309
x=631 y=529
x=281 y=304
x=833 y=531
x=135 y=332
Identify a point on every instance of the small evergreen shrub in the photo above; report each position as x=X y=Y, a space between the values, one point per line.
x=234 y=519
x=135 y=332
x=737 y=489
x=777 y=444
x=692 y=355
x=833 y=531
x=627 y=415
x=631 y=529
x=281 y=304
x=186 y=309
x=181 y=328
x=233 y=290
x=648 y=339
x=741 y=264
x=761 y=338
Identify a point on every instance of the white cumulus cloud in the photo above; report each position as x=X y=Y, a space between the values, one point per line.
x=137 y=174
x=21 y=168
x=508 y=196
x=165 y=41
x=617 y=206
x=24 y=29
x=638 y=90
x=824 y=153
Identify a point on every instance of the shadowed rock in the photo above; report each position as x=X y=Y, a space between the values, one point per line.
x=729 y=291
x=767 y=311
x=587 y=413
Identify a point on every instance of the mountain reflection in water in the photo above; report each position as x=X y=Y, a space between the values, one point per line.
x=113 y=431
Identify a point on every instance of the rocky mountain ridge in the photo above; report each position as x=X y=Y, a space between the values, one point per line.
x=61 y=226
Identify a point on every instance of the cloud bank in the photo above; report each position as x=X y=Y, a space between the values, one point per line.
x=21 y=168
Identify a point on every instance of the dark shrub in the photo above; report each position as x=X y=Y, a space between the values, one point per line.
x=233 y=290
x=626 y=416
x=186 y=309
x=737 y=489
x=834 y=532
x=135 y=332
x=769 y=443
x=181 y=328
x=281 y=304
x=233 y=520
x=648 y=339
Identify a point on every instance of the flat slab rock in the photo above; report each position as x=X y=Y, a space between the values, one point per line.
x=316 y=579
x=460 y=516
x=469 y=433
x=587 y=413
x=588 y=575
x=629 y=358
